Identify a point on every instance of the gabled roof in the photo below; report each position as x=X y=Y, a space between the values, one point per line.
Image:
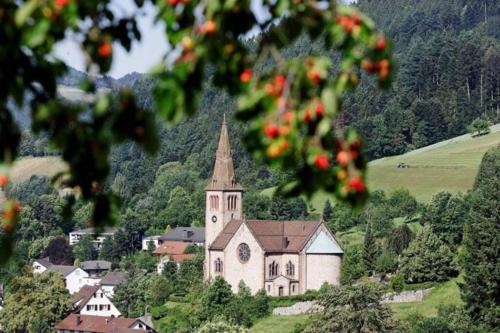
x=95 y=265
x=81 y=298
x=97 y=324
x=273 y=236
x=115 y=278
x=181 y=257
x=185 y=234
x=45 y=262
x=171 y=247
x=63 y=269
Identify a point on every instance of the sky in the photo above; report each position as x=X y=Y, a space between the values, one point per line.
x=144 y=54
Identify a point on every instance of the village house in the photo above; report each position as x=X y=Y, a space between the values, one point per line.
x=96 y=268
x=172 y=251
x=112 y=280
x=282 y=257
x=76 y=323
x=192 y=235
x=92 y=300
x=75 y=236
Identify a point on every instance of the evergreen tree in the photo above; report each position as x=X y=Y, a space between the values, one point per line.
x=370 y=250
x=327 y=211
x=481 y=262
x=427 y=258
x=400 y=238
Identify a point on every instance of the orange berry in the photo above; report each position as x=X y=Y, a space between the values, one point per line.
x=356 y=184
x=383 y=74
x=368 y=66
x=380 y=44
x=246 y=75
x=343 y=158
x=4 y=180
x=341 y=174
x=187 y=43
x=269 y=89
x=384 y=63
x=283 y=145
x=209 y=27
x=271 y=131
x=105 y=50
x=273 y=151
x=321 y=162
x=285 y=130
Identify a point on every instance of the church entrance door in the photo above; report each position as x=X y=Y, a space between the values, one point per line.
x=280 y=291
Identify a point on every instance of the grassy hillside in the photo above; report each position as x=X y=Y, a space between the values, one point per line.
x=278 y=324
x=42 y=166
x=449 y=165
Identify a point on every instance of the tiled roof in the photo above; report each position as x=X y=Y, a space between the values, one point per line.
x=95 y=265
x=273 y=236
x=83 y=296
x=97 y=324
x=185 y=234
x=114 y=278
x=181 y=257
x=171 y=247
x=63 y=269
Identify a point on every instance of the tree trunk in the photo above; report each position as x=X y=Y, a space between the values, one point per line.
x=468 y=88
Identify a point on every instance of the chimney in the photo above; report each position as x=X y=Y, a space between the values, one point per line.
x=78 y=319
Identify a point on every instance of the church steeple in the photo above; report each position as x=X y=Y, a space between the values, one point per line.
x=223 y=177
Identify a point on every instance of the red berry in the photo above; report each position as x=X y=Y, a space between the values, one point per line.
x=343 y=158
x=209 y=27
x=4 y=180
x=320 y=109
x=280 y=80
x=356 y=184
x=380 y=44
x=61 y=3
x=271 y=131
x=321 y=162
x=314 y=77
x=105 y=50
x=307 y=116
x=356 y=19
x=246 y=75
x=368 y=66
x=172 y=2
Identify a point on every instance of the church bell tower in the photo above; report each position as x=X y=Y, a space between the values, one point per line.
x=223 y=194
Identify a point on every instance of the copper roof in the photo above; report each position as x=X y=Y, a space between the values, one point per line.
x=171 y=247
x=97 y=324
x=273 y=236
x=223 y=177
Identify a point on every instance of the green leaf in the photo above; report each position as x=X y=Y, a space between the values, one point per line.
x=37 y=34
x=329 y=100
x=25 y=11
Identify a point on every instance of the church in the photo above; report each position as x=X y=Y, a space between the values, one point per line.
x=282 y=257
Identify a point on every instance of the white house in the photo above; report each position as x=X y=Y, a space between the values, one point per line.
x=75 y=236
x=92 y=300
x=151 y=239
x=74 y=277
x=111 y=280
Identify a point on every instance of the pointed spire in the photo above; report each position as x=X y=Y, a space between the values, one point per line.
x=223 y=177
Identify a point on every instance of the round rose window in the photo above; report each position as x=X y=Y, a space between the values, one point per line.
x=244 y=252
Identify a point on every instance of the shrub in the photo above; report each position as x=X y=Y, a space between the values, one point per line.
x=397 y=283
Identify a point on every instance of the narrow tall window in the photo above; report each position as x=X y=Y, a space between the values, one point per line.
x=290 y=269
x=273 y=269
x=231 y=202
x=219 y=265
x=214 y=202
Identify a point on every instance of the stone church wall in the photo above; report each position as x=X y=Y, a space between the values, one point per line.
x=322 y=268
x=251 y=272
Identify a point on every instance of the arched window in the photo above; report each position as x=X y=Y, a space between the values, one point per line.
x=231 y=202
x=290 y=269
x=219 y=265
x=273 y=269
x=214 y=202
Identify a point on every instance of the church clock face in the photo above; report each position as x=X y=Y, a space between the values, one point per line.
x=244 y=252
x=214 y=219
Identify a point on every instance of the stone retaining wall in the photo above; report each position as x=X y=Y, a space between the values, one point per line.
x=406 y=296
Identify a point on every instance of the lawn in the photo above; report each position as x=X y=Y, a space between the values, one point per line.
x=278 y=324
x=447 y=293
x=450 y=166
